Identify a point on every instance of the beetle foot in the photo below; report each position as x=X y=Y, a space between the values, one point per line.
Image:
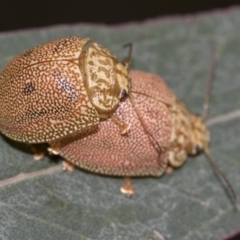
x=127 y=188
x=53 y=151
x=169 y=170
x=124 y=127
x=37 y=154
x=67 y=166
x=54 y=148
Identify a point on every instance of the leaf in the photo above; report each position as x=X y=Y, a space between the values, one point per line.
x=39 y=201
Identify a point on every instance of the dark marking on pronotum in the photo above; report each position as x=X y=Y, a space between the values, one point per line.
x=35 y=114
x=29 y=88
x=66 y=86
x=60 y=45
x=28 y=53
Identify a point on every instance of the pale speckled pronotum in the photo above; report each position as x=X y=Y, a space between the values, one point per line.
x=60 y=88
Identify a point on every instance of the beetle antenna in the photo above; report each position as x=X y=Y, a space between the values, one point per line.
x=128 y=59
x=204 y=118
x=218 y=170
x=152 y=139
x=209 y=86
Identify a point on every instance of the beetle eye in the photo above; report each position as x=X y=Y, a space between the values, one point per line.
x=123 y=94
x=197 y=149
x=123 y=63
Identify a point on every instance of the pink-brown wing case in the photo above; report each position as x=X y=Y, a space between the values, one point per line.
x=42 y=93
x=144 y=149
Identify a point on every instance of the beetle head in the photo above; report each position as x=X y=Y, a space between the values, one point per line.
x=199 y=138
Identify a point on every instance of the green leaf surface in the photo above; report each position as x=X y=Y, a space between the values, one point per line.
x=39 y=201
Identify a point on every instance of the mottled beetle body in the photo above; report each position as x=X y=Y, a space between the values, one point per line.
x=59 y=88
x=163 y=132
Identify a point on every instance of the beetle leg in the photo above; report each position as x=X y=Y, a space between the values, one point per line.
x=128 y=59
x=67 y=166
x=124 y=127
x=127 y=187
x=54 y=148
x=37 y=153
x=168 y=170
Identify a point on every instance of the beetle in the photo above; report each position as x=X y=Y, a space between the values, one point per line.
x=163 y=132
x=59 y=88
